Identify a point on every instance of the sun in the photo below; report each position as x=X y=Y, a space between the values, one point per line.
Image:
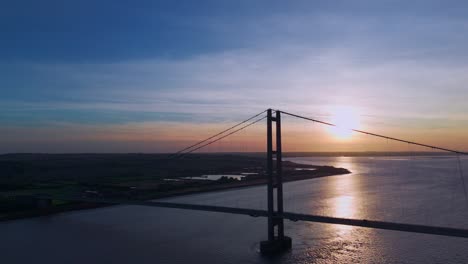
x=346 y=119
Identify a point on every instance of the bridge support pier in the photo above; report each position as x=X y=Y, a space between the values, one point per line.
x=276 y=243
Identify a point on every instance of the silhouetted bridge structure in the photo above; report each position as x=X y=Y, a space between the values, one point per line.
x=275 y=213
x=423 y=229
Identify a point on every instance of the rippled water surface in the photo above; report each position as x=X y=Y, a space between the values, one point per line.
x=421 y=190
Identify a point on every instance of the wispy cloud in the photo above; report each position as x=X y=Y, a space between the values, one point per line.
x=395 y=67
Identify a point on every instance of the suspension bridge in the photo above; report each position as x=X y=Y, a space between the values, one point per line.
x=275 y=213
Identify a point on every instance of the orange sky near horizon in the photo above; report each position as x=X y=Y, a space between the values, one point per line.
x=298 y=136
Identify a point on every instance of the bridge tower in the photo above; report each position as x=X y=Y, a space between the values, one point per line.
x=276 y=243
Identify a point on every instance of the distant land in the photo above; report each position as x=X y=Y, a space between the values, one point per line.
x=367 y=154
x=144 y=176
x=25 y=155
x=132 y=176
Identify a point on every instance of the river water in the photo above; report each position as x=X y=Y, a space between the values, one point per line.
x=419 y=190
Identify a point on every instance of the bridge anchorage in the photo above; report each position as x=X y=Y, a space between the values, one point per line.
x=276 y=243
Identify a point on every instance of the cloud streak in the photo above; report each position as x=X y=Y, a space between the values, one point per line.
x=392 y=66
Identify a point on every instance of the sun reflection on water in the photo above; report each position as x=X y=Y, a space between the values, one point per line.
x=344 y=190
x=344 y=206
x=345 y=162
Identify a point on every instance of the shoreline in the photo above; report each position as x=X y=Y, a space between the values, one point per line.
x=331 y=171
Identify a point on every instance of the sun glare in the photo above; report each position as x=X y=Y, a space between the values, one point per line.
x=345 y=119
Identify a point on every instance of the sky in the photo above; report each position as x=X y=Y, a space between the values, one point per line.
x=154 y=76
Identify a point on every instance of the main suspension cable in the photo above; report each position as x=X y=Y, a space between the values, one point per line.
x=218 y=139
x=378 y=135
x=218 y=134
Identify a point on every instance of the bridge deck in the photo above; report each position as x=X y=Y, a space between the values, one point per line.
x=423 y=229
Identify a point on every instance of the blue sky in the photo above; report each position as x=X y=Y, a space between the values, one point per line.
x=79 y=65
